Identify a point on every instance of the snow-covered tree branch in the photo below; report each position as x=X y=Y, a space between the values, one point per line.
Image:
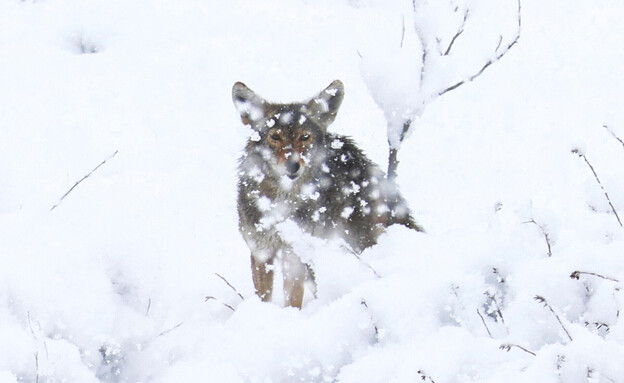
x=448 y=47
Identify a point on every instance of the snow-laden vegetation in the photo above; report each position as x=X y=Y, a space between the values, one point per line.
x=139 y=273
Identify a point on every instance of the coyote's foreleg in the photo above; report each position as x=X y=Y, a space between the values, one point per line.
x=262 y=274
x=294 y=278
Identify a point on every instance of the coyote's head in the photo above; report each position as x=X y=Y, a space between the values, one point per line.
x=288 y=136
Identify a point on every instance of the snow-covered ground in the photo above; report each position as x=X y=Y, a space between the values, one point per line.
x=111 y=285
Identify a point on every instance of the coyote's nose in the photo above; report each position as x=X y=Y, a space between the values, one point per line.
x=292 y=167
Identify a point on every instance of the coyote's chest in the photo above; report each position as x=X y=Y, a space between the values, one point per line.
x=304 y=202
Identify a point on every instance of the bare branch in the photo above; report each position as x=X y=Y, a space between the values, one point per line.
x=543 y=301
x=457 y=34
x=363 y=302
x=485 y=324
x=499 y=312
x=457 y=85
x=561 y=359
x=499 y=277
x=576 y=275
x=356 y=255
x=496 y=58
x=424 y=376
x=582 y=155
x=425 y=53
x=544 y=233
x=590 y=375
x=426 y=50
x=209 y=297
x=82 y=179
x=508 y=346
x=613 y=134
x=500 y=41
x=402 y=31
x=143 y=344
x=599 y=326
x=36 y=366
x=32 y=331
x=232 y=287
x=393 y=160
x=171 y=329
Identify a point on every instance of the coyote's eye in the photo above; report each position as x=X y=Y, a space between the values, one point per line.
x=305 y=137
x=276 y=137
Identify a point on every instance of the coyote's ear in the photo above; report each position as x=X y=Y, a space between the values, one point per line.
x=324 y=107
x=252 y=108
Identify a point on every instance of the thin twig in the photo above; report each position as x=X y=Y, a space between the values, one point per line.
x=402 y=31
x=507 y=347
x=499 y=312
x=232 y=287
x=485 y=324
x=500 y=278
x=599 y=326
x=457 y=34
x=356 y=255
x=561 y=359
x=144 y=344
x=500 y=41
x=544 y=233
x=590 y=374
x=424 y=376
x=425 y=52
x=393 y=160
x=149 y=305
x=582 y=155
x=82 y=179
x=37 y=366
x=363 y=302
x=209 y=297
x=171 y=329
x=546 y=304
x=32 y=331
x=613 y=134
x=493 y=298
x=493 y=60
x=576 y=275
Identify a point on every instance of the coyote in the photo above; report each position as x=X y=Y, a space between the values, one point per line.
x=293 y=169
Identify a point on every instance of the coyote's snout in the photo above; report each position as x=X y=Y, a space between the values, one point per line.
x=293 y=169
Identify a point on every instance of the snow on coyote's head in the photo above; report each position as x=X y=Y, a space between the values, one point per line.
x=290 y=135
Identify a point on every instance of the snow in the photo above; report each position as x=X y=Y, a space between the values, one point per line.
x=336 y=144
x=119 y=282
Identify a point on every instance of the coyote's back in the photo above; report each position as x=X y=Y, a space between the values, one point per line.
x=292 y=168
